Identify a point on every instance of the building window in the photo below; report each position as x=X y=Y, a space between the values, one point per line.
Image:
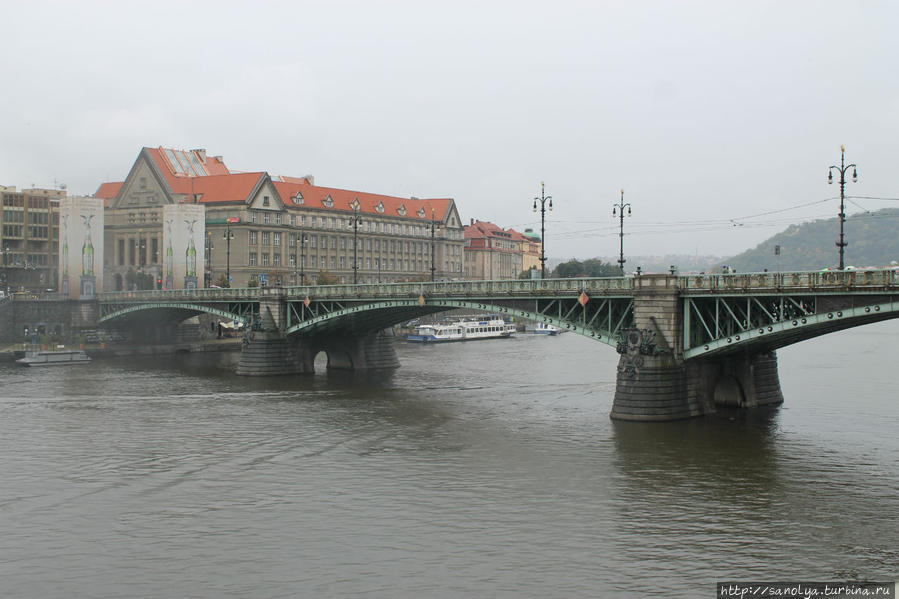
x=278 y=219
x=121 y=260
x=253 y=216
x=333 y=262
x=265 y=201
x=264 y=258
x=321 y=222
x=302 y=220
x=265 y=237
x=252 y=237
x=276 y=239
x=252 y=259
x=324 y=262
x=312 y=241
x=342 y=262
x=276 y=259
x=266 y=218
x=293 y=239
x=291 y=221
x=292 y=260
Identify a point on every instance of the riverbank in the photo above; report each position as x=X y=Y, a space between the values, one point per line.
x=13 y=351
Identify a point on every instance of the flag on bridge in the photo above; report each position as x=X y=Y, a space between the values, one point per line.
x=583 y=298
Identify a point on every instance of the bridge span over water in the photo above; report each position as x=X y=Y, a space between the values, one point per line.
x=686 y=343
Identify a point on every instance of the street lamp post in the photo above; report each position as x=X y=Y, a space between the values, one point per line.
x=355 y=220
x=619 y=208
x=302 y=241
x=842 y=169
x=543 y=199
x=228 y=236
x=208 y=258
x=433 y=230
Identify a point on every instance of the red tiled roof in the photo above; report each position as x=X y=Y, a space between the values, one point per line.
x=236 y=187
x=314 y=196
x=107 y=191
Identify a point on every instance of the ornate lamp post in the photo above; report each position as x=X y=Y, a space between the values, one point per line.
x=228 y=236
x=208 y=258
x=355 y=220
x=434 y=228
x=842 y=169
x=302 y=241
x=619 y=208
x=543 y=199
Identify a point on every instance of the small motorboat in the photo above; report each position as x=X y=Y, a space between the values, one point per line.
x=54 y=357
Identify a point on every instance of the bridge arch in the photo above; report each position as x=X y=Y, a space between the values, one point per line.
x=775 y=335
x=367 y=317
x=132 y=310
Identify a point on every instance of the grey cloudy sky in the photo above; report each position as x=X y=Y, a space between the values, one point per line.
x=704 y=112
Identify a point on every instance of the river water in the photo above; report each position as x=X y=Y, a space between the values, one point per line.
x=486 y=469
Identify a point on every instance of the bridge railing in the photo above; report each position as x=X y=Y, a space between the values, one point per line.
x=819 y=280
x=524 y=287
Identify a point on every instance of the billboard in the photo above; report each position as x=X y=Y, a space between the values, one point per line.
x=183 y=234
x=80 y=247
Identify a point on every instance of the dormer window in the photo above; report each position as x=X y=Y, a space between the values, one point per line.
x=298 y=199
x=401 y=210
x=421 y=213
x=355 y=204
x=328 y=202
x=380 y=207
x=265 y=201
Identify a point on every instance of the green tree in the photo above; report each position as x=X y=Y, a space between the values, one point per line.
x=253 y=282
x=325 y=278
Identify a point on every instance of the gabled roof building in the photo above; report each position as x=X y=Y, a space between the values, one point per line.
x=492 y=252
x=284 y=230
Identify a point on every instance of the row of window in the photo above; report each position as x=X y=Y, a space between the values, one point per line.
x=323 y=241
x=340 y=222
x=342 y=262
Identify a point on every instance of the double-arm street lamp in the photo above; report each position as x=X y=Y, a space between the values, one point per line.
x=842 y=169
x=434 y=227
x=208 y=258
x=355 y=220
x=543 y=199
x=228 y=236
x=301 y=241
x=619 y=209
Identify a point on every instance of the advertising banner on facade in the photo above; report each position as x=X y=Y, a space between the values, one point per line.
x=183 y=232
x=80 y=247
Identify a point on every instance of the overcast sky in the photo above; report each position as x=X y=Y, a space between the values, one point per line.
x=703 y=112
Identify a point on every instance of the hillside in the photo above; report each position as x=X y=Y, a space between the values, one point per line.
x=872 y=237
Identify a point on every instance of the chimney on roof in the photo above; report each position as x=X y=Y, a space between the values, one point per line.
x=201 y=152
x=472 y=222
x=219 y=158
x=310 y=179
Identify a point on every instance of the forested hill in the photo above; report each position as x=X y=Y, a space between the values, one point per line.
x=873 y=239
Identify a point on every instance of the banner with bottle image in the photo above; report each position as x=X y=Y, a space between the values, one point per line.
x=80 y=247
x=183 y=232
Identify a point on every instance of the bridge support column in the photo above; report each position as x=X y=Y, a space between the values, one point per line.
x=268 y=353
x=742 y=381
x=375 y=351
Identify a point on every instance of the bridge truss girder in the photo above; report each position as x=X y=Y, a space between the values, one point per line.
x=240 y=311
x=601 y=318
x=718 y=325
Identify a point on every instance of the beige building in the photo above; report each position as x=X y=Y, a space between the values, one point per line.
x=273 y=230
x=493 y=253
x=29 y=238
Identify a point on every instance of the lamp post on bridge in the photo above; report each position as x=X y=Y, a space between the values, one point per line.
x=355 y=220
x=434 y=227
x=842 y=169
x=302 y=241
x=208 y=258
x=619 y=207
x=543 y=199
x=228 y=236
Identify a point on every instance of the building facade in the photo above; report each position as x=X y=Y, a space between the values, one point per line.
x=273 y=230
x=493 y=253
x=29 y=238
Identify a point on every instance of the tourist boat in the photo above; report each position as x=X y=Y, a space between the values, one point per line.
x=543 y=328
x=54 y=357
x=462 y=330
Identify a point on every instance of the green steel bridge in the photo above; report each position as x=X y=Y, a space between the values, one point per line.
x=686 y=343
x=719 y=313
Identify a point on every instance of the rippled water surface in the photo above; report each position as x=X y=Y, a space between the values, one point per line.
x=486 y=469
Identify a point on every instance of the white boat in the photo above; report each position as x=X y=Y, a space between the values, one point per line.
x=54 y=357
x=462 y=330
x=543 y=328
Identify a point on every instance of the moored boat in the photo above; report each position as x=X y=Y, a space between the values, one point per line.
x=462 y=330
x=54 y=357
x=543 y=328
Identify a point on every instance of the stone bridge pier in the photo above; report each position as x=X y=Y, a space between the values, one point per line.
x=267 y=351
x=655 y=383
